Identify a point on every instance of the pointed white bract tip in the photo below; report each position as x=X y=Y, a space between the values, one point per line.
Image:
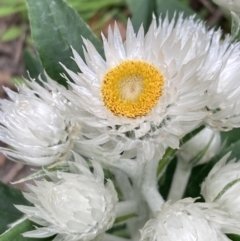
x=201 y=148
x=35 y=123
x=222 y=186
x=75 y=206
x=186 y=220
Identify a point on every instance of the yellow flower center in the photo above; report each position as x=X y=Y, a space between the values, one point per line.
x=132 y=88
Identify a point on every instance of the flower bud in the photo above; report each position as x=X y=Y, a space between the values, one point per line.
x=35 y=127
x=75 y=206
x=202 y=146
x=186 y=220
x=222 y=186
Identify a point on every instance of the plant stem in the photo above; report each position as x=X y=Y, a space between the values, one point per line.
x=147 y=181
x=179 y=182
x=153 y=198
x=124 y=184
x=126 y=207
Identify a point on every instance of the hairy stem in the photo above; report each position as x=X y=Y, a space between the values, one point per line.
x=147 y=182
x=179 y=182
x=126 y=207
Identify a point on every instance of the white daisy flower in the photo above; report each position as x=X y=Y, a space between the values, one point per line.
x=75 y=206
x=222 y=186
x=186 y=220
x=35 y=125
x=223 y=106
x=147 y=94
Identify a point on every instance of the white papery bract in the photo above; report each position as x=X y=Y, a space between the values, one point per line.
x=75 y=206
x=35 y=124
x=223 y=106
x=201 y=148
x=186 y=220
x=222 y=185
x=123 y=116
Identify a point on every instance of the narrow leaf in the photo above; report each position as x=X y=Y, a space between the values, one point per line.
x=15 y=233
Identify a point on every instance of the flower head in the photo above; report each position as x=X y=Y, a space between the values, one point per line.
x=75 y=206
x=147 y=94
x=223 y=108
x=186 y=220
x=222 y=186
x=35 y=125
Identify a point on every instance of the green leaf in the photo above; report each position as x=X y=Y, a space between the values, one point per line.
x=235 y=27
x=171 y=6
x=15 y=233
x=230 y=137
x=43 y=173
x=55 y=27
x=234 y=237
x=8 y=213
x=33 y=65
x=11 y=34
x=142 y=11
x=86 y=6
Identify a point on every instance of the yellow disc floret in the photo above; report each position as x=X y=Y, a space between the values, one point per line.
x=132 y=88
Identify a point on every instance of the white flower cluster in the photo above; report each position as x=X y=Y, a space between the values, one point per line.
x=122 y=113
